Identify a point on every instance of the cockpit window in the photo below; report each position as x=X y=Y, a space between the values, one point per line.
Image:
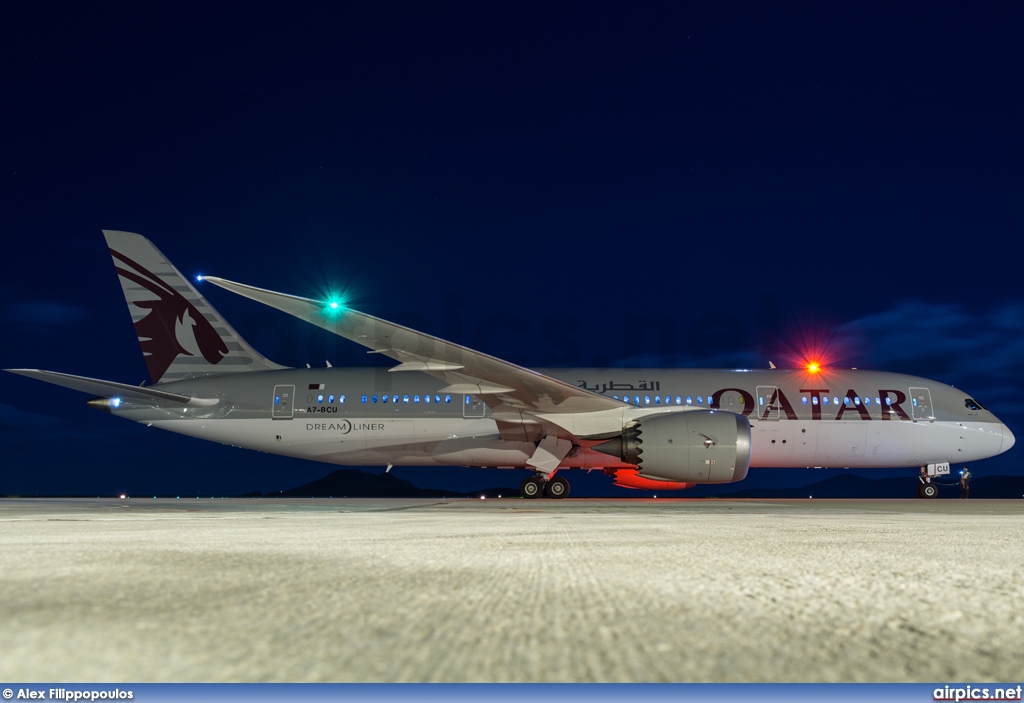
x=972 y=404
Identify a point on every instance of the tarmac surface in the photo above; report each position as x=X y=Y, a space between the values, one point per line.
x=142 y=590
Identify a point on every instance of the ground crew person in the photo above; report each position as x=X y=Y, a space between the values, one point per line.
x=965 y=482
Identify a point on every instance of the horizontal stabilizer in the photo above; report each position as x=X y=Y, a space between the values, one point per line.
x=110 y=389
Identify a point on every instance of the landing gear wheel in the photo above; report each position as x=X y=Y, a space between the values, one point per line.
x=927 y=490
x=531 y=487
x=557 y=488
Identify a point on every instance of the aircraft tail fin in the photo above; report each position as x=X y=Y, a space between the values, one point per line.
x=182 y=336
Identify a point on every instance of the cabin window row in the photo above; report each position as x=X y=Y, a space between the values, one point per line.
x=659 y=400
x=395 y=399
x=636 y=399
x=813 y=400
x=330 y=399
x=689 y=400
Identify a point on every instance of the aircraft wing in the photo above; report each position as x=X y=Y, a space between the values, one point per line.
x=497 y=382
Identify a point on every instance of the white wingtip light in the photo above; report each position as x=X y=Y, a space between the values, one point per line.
x=199 y=278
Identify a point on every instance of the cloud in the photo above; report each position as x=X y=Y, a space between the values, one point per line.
x=43 y=313
x=23 y=428
x=739 y=359
x=980 y=351
x=15 y=419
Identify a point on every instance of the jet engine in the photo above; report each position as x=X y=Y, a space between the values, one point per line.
x=700 y=446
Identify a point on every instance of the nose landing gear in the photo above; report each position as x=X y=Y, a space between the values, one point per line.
x=927 y=490
x=926 y=486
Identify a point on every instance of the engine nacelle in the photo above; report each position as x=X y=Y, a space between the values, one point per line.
x=700 y=446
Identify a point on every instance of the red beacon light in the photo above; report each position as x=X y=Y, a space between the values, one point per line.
x=813 y=367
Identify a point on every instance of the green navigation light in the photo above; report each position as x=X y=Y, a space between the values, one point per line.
x=333 y=300
x=333 y=308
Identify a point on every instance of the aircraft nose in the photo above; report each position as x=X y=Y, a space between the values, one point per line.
x=1008 y=439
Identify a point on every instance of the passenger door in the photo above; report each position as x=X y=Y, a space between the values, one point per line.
x=921 y=404
x=767 y=403
x=284 y=403
x=472 y=407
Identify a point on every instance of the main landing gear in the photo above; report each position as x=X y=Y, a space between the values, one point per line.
x=550 y=452
x=536 y=486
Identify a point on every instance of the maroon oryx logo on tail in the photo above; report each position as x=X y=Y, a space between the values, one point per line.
x=173 y=325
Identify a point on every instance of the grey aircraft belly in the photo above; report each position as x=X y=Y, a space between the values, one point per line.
x=443 y=404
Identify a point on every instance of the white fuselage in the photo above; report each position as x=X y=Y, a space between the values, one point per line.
x=848 y=419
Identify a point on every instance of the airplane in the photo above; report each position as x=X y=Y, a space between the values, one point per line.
x=444 y=404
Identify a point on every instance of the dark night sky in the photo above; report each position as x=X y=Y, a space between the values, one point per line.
x=557 y=184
